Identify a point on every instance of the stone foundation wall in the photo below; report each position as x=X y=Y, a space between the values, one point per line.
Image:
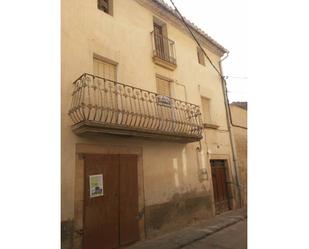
x=177 y=213
x=67 y=230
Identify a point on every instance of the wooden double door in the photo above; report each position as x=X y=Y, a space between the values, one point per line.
x=220 y=185
x=111 y=201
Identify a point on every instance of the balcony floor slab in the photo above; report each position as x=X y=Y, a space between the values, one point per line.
x=87 y=128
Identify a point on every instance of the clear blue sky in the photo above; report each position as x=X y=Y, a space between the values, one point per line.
x=226 y=22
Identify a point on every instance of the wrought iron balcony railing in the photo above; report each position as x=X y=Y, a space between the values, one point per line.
x=103 y=106
x=163 y=48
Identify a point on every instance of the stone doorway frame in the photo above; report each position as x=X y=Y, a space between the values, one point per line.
x=229 y=176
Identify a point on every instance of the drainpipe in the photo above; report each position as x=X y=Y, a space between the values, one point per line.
x=228 y=118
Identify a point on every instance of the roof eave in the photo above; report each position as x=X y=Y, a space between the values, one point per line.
x=193 y=26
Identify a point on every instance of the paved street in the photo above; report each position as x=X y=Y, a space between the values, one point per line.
x=224 y=231
x=232 y=237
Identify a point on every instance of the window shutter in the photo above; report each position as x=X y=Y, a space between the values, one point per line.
x=206 y=110
x=104 y=69
x=103 y=5
x=200 y=56
x=163 y=87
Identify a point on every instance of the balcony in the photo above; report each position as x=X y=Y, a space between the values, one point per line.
x=102 y=106
x=164 y=53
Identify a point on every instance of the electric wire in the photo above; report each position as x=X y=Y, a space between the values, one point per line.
x=210 y=61
x=183 y=20
x=223 y=81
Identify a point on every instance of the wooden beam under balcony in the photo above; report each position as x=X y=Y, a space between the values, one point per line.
x=102 y=106
x=91 y=128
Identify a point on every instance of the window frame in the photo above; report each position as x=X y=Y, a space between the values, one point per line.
x=107 y=61
x=164 y=79
x=109 y=6
x=200 y=56
x=207 y=120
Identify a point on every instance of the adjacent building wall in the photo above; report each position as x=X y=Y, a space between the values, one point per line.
x=176 y=188
x=239 y=116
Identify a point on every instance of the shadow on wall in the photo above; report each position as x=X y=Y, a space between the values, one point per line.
x=181 y=169
x=191 y=200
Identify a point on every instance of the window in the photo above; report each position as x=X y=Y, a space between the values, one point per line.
x=163 y=87
x=164 y=48
x=161 y=42
x=206 y=110
x=104 y=69
x=106 y=6
x=200 y=56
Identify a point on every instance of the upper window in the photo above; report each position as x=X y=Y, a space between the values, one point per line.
x=206 y=110
x=161 y=40
x=163 y=47
x=106 y=6
x=104 y=69
x=200 y=56
x=163 y=87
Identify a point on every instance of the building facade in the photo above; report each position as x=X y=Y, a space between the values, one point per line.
x=239 y=117
x=145 y=138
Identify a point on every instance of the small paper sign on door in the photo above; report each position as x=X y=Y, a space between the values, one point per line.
x=96 y=185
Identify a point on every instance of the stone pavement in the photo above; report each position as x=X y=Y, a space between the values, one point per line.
x=193 y=233
x=232 y=237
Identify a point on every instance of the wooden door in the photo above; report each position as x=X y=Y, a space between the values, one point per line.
x=159 y=43
x=101 y=215
x=111 y=219
x=219 y=181
x=129 y=231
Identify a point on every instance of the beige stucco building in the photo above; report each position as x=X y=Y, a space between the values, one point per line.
x=144 y=112
x=239 y=118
